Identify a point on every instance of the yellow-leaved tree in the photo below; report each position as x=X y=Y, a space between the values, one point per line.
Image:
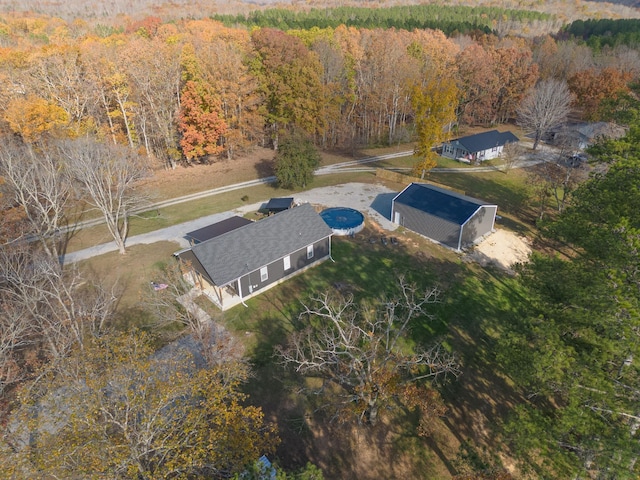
x=33 y=116
x=116 y=409
x=434 y=105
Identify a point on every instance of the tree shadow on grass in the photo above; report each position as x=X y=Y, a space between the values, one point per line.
x=483 y=397
x=265 y=167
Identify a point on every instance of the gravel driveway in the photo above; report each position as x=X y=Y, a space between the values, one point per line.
x=371 y=199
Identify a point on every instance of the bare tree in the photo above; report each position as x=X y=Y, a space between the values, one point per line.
x=545 y=108
x=44 y=311
x=511 y=153
x=37 y=182
x=16 y=334
x=557 y=177
x=362 y=349
x=107 y=175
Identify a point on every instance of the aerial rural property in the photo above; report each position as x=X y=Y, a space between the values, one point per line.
x=321 y=240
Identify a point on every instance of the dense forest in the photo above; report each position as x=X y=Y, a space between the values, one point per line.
x=192 y=90
x=448 y=19
x=91 y=109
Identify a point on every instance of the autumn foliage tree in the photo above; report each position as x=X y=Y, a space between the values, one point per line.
x=590 y=88
x=33 y=117
x=290 y=78
x=200 y=122
x=434 y=106
x=115 y=409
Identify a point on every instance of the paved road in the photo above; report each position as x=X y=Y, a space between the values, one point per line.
x=375 y=200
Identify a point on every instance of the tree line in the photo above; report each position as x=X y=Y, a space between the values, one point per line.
x=192 y=90
x=448 y=19
x=598 y=33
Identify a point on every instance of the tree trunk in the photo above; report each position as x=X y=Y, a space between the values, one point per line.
x=372 y=414
x=537 y=140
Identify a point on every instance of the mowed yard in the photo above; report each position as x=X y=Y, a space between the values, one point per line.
x=475 y=302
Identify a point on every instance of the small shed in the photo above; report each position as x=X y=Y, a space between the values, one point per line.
x=276 y=205
x=478 y=147
x=447 y=217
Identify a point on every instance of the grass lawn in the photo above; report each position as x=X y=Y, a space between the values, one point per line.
x=183 y=212
x=474 y=302
x=465 y=320
x=131 y=274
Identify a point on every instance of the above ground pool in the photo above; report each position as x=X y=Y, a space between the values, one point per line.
x=343 y=221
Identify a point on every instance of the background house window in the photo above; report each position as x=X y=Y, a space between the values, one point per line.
x=264 y=274
x=310 y=251
x=287 y=262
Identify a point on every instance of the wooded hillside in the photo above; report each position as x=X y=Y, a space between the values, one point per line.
x=547 y=354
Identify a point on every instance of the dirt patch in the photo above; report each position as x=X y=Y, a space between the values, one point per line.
x=166 y=183
x=502 y=248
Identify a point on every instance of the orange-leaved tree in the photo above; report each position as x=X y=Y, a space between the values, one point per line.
x=200 y=121
x=33 y=116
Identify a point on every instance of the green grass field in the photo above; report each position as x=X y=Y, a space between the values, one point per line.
x=475 y=301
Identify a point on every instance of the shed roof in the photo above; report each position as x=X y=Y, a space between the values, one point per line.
x=486 y=140
x=279 y=204
x=217 y=229
x=451 y=206
x=230 y=256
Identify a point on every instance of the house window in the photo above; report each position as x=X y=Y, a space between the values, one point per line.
x=287 y=262
x=264 y=274
x=309 y=252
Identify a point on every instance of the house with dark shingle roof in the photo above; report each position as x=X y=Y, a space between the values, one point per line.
x=216 y=229
x=237 y=265
x=447 y=217
x=478 y=147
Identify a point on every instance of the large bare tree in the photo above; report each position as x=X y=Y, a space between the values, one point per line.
x=37 y=182
x=546 y=107
x=361 y=351
x=44 y=311
x=107 y=175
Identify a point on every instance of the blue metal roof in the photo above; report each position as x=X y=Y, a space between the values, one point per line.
x=451 y=206
x=483 y=141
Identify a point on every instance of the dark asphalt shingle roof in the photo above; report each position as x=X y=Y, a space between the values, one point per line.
x=439 y=202
x=278 y=204
x=486 y=140
x=217 y=229
x=234 y=254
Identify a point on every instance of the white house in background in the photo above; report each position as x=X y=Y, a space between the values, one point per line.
x=478 y=147
x=579 y=136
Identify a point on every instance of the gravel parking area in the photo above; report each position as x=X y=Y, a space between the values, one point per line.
x=501 y=248
x=372 y=199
